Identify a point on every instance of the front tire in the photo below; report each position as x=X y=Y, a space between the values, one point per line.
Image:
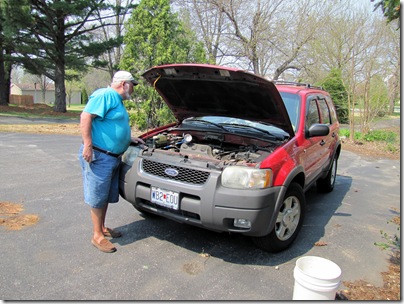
x=288 y=222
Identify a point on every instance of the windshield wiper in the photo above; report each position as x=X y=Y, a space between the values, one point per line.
x=206 y=122
x=275 y=137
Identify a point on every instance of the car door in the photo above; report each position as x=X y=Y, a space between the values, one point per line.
x=315 y=150
x=329 y=140
x=333 y=137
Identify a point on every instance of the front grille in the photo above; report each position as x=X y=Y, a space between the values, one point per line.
x=185 y=175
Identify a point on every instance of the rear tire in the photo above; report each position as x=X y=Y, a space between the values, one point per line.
x=327 y=184
x=288 y=222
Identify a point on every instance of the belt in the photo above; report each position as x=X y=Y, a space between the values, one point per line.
x=106 y=152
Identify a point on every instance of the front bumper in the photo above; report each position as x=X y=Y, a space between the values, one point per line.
x=208 y=205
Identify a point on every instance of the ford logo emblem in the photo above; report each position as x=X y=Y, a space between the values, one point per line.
x=171 y=172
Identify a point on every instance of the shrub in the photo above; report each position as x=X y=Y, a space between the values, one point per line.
x=380 y=135
x=347 y=133
x=376 y=135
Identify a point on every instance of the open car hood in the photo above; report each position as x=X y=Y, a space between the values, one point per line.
x=192 y=90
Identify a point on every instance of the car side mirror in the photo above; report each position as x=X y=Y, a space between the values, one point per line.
x=318 y=130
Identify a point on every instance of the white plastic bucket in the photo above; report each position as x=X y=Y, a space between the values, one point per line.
x=316 y=278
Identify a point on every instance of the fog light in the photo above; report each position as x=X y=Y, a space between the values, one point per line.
x=242 y=223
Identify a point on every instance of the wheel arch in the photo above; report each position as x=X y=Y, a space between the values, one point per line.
x=269 y=241
x=296 y=175
x=335 y=154
x=338 y=150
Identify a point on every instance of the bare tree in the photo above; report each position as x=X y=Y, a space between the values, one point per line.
x=41 y=85
x=252 y=24
x=234 y=32
x=207 y=21
x=114 y=31
x=300 y=27
x=266 y=37
x=355 y=40
x=353 y=58
x=16 y=74
x=392 y=43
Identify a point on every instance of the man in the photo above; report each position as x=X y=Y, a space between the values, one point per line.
x=106 y=134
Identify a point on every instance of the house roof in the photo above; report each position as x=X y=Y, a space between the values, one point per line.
x=31 y=87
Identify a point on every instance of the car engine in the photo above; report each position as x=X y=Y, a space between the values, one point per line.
x=214 y=147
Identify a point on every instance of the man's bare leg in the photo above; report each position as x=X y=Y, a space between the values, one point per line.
x=98 y=219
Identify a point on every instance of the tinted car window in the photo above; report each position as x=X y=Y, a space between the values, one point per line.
x=312 y=114
x=332 y=110
x=325 y=112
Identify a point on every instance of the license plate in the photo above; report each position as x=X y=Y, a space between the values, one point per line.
x=164 y=198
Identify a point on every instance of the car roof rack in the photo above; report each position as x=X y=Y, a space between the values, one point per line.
x=307 y=85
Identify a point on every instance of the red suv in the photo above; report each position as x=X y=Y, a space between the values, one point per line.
x=239 y=158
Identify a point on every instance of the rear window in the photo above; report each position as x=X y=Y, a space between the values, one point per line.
x=332 y=109
x=325 y=112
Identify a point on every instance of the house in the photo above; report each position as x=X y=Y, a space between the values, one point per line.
x=19 y=94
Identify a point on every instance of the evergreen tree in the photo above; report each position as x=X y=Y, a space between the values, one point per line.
x=334 y=85
x=391 y=9
x=155 y=36
x=14 y=14
x=60 y=38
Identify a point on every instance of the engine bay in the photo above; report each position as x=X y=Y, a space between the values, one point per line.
x=210 y=146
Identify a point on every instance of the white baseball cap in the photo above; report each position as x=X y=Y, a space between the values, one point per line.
x=124 y=76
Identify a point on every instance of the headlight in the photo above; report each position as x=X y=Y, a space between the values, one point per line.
x=246 y=178
x=130 y=154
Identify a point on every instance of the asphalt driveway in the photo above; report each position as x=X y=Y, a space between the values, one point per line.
x=162 y=260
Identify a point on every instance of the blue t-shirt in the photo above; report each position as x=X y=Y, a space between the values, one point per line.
x=110 y=130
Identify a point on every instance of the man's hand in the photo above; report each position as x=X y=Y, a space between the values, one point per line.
x=137 y=140
x=88 y=153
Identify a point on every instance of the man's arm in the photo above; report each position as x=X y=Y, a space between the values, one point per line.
x=85 y=127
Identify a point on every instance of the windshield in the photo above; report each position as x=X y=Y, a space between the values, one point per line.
x=292 y=104
x=238 y=126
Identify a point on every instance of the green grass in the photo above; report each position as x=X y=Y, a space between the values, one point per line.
x=375 y=135
x=42 y=111
x=75 y=108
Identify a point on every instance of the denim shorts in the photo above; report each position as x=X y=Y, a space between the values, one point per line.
x=100 y=179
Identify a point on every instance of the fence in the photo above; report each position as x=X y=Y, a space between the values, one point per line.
x=22 y=100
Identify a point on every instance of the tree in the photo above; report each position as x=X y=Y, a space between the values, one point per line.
x=300 y=27
x=60 y=38
x=113 y=56
x=84 y=96
x=241 y=29
x=334 y=85
x=266 y=37
x=209 y=19
x=391 y=9
x=362 y=47
x=71 y=86
x=155 y=36
x=392 y=43
x=41 y=85
x=13 y=15
x=378 y=102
